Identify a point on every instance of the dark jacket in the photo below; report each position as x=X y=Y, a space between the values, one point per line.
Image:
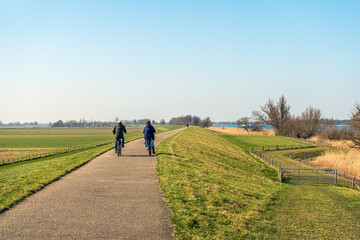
x=149 y=131
x=119 y=130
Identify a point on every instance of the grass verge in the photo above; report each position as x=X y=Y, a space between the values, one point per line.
x=20 y=180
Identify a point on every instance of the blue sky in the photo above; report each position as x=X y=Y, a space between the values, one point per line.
x=158 y=59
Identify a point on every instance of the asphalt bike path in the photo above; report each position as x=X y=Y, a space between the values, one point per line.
x=111 y=197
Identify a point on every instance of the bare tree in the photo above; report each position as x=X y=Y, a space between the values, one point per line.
x=256 y=126
x=354 y=133
x=275 y=115
x=244 y=122
x=206 y=122
x=310 y=120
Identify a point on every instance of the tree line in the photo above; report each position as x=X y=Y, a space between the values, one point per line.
x=17 y=124
x=191 y=120
x=91 y=123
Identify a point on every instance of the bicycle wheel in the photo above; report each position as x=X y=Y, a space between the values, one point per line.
x=119 y=148
x=149 y=147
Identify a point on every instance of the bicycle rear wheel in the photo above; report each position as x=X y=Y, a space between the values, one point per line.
x=149 y=147
x=119 y=148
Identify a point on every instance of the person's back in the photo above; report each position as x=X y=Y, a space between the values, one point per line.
x=148 y=132
x=119 y=130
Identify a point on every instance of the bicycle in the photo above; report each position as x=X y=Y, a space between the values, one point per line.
x=150 y=145
x=118 y=146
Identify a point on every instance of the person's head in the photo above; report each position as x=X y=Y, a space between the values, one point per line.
x=119 y=121
x=147 y=122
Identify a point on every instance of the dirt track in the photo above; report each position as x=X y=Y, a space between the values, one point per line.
x=109 y=198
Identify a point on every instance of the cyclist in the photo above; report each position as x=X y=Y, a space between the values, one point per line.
x=119 y=130
x=149 y=131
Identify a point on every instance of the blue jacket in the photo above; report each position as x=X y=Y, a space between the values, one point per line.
x=149 y=131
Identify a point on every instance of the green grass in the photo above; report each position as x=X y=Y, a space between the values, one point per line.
x=214 y=188
x=250 y=141
x=21 y=179
x=61 y=137
x=219 y=191
x=311 y=212
x=21 y=142
x=51 y=141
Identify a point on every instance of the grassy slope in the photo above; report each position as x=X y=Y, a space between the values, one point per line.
x=218 y=191
x=21 y=179
x=214 y=188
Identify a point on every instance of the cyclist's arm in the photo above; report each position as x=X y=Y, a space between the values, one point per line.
x=114 y=130
x=125 y=130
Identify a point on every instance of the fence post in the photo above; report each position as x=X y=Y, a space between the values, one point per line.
x=280 y=172
x=353 y=183
x=317 y=176
x=335 y=177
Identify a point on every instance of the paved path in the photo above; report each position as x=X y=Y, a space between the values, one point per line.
x=108 y=198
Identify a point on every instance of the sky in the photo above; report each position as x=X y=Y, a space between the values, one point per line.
x=160 y=59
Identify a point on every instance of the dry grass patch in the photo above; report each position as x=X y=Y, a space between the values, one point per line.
x=344 y=144
x=12 y=153
x=345 y=161
x=241 y=131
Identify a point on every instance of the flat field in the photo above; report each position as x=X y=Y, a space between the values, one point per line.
x=18 y=180
x=253 y=141
x=20 y=142
x=217 y=190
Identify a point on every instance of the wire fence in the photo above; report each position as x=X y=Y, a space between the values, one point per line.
x=301 y=140
x=48 y=154
x=308 y=176
x=282 y=147
x=268 y=160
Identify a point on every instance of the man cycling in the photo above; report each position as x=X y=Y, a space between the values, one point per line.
x=119 y=130
x=148 y=132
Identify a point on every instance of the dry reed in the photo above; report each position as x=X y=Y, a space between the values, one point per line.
x=345 y=161
x=343 y=144
x=241 y=131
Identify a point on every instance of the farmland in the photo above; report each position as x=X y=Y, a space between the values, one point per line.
x=217 y=190
x=18 y=143
x=18 y=180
